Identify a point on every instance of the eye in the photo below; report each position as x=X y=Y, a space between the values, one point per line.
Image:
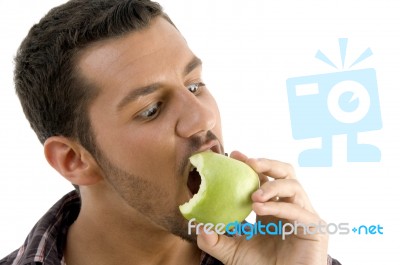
x=195 y=87
x=151 y=112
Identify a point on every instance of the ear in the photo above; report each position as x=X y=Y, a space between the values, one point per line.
x=72 y=161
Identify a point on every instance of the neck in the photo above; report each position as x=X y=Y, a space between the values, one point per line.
x=107 y=232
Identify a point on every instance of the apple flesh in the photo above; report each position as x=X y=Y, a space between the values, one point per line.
x=225 y=191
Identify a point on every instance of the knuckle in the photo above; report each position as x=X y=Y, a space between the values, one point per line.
x=255 y=164
x=269 y=187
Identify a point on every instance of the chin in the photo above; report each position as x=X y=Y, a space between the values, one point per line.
x=178 y=226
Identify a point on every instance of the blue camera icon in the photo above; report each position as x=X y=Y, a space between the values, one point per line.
x=330 y=104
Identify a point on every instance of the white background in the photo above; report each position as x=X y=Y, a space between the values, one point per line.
x=249 y=49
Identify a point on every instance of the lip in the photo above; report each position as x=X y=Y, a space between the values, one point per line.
x=212 y=145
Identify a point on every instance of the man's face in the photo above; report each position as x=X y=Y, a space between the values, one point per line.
x=153 y=111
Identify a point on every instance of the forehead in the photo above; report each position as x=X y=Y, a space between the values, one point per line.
x=136 y=58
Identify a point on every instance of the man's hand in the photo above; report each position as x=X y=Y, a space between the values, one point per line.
x=280 y=199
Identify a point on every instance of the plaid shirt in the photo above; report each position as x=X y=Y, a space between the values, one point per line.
x=45 y=243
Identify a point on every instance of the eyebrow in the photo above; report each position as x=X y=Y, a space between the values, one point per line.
x=136 y=93
x=193 y=64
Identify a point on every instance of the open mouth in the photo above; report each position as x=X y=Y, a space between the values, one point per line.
x=194 y=181
x=194 y=178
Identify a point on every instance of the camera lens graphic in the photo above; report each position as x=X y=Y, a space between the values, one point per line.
x=348 y=101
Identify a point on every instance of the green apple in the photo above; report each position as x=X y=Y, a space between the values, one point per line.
x=225 y=191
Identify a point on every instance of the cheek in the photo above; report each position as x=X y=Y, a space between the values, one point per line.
x=144 y=150
x=150 y=157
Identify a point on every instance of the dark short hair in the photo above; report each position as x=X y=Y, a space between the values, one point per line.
x=53 y=94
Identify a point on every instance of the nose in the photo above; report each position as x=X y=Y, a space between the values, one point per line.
x=198 y=114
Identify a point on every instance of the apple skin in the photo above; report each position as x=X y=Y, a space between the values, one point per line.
x=225 y=191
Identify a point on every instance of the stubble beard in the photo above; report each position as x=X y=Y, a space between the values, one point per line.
x=139 y=193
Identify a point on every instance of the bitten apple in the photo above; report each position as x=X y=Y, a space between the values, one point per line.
x=225 y=191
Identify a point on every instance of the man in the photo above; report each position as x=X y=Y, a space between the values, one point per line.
x=116 y=97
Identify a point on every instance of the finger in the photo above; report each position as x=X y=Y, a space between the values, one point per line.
x=272 y=168
x=239 y=156
x=285 y=210
x=242 y=157
x=219 y=246
x=288 y=189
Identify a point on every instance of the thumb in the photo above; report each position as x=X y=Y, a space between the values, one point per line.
x=219 y=246
x=239 y=156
